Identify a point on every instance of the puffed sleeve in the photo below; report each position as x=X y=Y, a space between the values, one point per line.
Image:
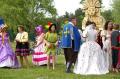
x=25 y=37
x=17 y=37
x=103 y=33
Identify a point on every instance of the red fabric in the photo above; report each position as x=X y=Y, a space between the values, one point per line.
x=118 y=65
x=38 y=53
x=40 y=59
x=117 y=48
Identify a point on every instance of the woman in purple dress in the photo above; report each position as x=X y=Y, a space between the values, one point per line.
x=7 y=56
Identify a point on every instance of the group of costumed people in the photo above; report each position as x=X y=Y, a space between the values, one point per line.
x=43 y=52
x=92 y=51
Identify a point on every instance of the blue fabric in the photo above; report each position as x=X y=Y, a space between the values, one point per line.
x=66 y=41
x=1 y=21
x=77 y=39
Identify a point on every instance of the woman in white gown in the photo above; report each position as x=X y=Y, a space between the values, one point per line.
x=91 y=59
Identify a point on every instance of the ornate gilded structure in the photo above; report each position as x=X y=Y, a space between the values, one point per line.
x=92 y=13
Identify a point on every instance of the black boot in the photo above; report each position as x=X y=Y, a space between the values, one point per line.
x=68 y=67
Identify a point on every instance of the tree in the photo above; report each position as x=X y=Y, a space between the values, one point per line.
x=67 y=15
x=79 y=14
x=116 y=10
x=26 y=12
x=107 y=14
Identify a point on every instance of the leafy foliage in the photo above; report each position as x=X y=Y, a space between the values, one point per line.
x=116 y=10
x=107 y=14
x=26 y=12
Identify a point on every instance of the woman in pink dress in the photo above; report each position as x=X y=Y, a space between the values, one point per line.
x=39 y=56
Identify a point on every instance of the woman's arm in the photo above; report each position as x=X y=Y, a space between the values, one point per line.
x=40 y=39
x=103 y=35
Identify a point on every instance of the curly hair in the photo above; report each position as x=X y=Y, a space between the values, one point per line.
x=106 y=25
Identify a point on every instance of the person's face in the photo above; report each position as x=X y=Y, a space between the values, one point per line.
x=19 y=29
x=74 y=22
x=53 y=28
x=110 y=25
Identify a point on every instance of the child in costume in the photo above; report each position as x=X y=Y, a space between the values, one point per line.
x=39 y=57
x=59 y=49
x=51 y=38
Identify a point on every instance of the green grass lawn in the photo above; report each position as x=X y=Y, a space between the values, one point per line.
x=42 y=72
x=35 y=72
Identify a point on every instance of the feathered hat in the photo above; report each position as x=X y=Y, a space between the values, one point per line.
x=39 y=29
x=2 y=24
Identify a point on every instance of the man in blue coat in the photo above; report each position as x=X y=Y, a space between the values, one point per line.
x=70 y=42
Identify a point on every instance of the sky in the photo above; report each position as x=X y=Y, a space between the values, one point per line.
x=71 y=5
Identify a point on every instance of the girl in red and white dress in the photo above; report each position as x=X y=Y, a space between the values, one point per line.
x=39 y=56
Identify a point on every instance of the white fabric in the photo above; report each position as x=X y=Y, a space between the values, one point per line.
x=22 y=37
x=43 y=62
x=90 y=33
x=7 y=63
x=107 y=48
x=40 y=48
x=40 y=56
x=91 y=58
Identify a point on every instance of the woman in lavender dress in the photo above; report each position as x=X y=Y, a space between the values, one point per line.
x=7 y=56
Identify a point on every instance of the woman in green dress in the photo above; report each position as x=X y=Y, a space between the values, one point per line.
x=51 y=38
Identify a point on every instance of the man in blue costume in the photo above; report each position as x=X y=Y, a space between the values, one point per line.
x=70 y=42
